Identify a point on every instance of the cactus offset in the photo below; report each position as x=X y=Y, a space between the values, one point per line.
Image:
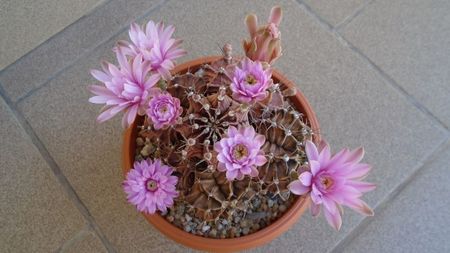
x=265 y=42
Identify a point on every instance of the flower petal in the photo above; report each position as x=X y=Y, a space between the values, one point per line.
x=334 y=219
x=315 y=209
x=355 y=156
x=360 y=206
x=361 y=186
x=305 y=178
x=231 y=174
x=311 y=151
x=359 y=171
x=314 y=166
x=298 y=188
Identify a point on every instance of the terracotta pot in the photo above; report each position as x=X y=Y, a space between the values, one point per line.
x=258 y=238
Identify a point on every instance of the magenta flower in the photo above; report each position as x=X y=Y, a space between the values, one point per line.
x=164 y=110
x=156 y=45
x=126 y=88
x=240 y=152
x=150 y=186
x=250 y=82
x=334 y=181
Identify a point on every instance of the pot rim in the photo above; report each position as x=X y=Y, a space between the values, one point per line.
x=255 y=239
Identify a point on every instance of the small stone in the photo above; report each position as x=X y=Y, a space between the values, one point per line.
x=257 y=202
x=140 y=141
x=255 y=227
x=245 y=231
x=282 y=208
x=224 y=222
x=180 y=209
x=170 y=218
x=257 y=215
x=187 y=228
x=205 y=228
x=264 y=207
x=244 y=224
x=233 y=232
x=270 y=203
x=219 y=226
x=237 y=219
x=213 y=233
x=145 y=150
x=275 y=207
x=188 y=218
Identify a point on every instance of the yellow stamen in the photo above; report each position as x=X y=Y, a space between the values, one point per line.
x=240 y=151
x=250 y=79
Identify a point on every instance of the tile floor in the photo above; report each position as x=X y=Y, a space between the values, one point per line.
x=375 y=71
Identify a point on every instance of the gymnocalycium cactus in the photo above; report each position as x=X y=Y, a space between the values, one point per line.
x=221 y=148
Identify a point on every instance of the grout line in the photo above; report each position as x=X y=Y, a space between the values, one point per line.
x=81 y=56
x=352 y=16
x=384 y=203
x=310 y=11
x=86 y=15
x=76 y=237
x=386 y=78
x=64 y=182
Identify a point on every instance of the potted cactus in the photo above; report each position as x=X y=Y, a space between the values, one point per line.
x=222 y=153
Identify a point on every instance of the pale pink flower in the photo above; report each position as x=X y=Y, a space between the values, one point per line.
x=125 y=89
x=164 y=110
x=239 y=153
x=250 y=82
x=156 y=46
x=334 y=181
x=150 y=186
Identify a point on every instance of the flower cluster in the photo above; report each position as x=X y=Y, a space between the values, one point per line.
x=142 y=64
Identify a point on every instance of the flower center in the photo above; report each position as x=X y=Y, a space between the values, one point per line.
x=163 y=109
x=240 y=151
x=250 y=79
x=152 y=185
x=327 y=182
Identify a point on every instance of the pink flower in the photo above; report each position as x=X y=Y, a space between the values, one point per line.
x=155 y=45
x=126 y=88
x=250 y=82
x=164 y=110
x=150 y=186
x=240 y=152
x=334 y=181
